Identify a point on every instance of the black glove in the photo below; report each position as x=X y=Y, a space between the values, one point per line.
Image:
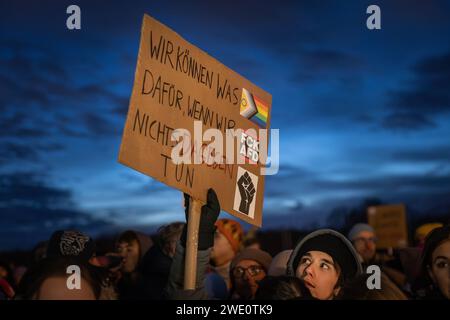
x=209 y=214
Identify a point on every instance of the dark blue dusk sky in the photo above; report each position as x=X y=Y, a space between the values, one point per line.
x=362 y=114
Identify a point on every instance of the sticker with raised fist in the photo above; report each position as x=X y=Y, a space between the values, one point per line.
x=245 y=192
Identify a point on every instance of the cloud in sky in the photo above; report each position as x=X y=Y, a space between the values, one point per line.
x=425 y=97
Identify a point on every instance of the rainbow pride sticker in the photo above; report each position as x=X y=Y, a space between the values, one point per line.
x=254 y=108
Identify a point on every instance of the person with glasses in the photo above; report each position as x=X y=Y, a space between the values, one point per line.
x=247 y=269
x=364 y=240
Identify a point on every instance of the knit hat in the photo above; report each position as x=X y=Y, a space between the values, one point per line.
x=260 y=256
x=70 y=243
x=433 y=240
x=357 y=229
x=332 y=243
x=279 y=263
x=425 y=229
x=232 y=230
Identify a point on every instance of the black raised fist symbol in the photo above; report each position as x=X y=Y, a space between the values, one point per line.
x=247 y=191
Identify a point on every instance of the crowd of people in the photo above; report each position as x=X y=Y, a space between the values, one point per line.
x=323 y=265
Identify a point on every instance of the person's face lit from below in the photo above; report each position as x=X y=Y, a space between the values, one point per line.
x=319 y=273
x=440 y=268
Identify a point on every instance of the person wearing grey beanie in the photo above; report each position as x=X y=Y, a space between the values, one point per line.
x=325 y=261
x=364 y=240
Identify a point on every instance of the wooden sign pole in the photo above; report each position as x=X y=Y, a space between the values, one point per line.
x=190 y=268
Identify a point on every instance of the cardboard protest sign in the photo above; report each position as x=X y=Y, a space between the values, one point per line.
x=389 y=222
x=177 y=85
